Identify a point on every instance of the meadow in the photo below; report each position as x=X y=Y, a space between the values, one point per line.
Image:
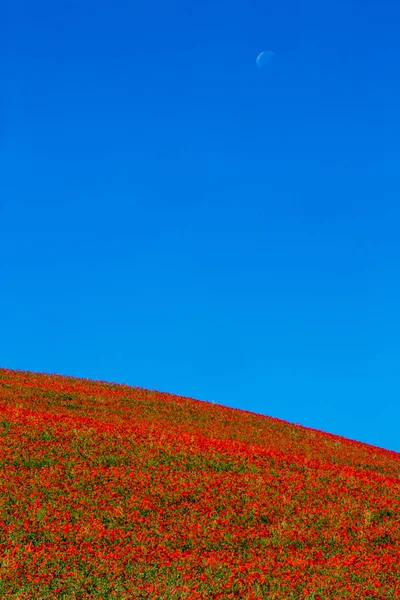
x=110 y=491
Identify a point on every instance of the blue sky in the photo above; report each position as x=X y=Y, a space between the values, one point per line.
x=174 y=218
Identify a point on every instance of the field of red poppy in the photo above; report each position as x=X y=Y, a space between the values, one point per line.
x=109 y=491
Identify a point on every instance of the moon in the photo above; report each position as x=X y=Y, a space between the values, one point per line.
x=264 y=58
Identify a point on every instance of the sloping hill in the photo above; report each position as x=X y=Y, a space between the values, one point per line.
x=110 y=491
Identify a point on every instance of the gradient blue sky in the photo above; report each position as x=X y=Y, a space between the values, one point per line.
x=174 y=218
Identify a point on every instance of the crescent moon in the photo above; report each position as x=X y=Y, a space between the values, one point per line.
x=264 y=58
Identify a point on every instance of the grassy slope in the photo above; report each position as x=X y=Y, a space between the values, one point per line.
x=110 y=491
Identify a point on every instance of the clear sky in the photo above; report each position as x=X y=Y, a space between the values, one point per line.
x=175 y=218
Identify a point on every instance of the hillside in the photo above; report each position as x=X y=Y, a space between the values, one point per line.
x=110 y=491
